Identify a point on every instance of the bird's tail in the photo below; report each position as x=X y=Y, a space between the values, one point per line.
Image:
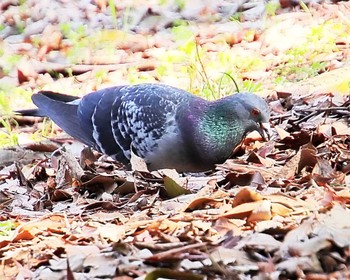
x=29 y=113
x=53 y=96
x=62 y=109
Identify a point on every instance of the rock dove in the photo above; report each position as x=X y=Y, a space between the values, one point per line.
x=166 y=126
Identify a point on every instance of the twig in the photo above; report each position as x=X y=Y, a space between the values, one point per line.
x=328 y=109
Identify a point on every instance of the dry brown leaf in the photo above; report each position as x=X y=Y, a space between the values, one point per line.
x=113 y=232
x=265 y=226
x=137 y=163
x=173 y=184
x=281 y=210
x=224 y=225
x=289 y=170
x=283 y=203
x=200 y=202
x=325 y=129
x=227 y=256
x=259 y=241
x=165 y=273
x=246 y=195
x=341 y=128
x=311 y=246
x=267 y=173
x=54 y=223
x=307 y=156
x=241 y=211
x=293 y=264
x=261 y=213
x=282 y=133
x=174 y=254
x=265 y=161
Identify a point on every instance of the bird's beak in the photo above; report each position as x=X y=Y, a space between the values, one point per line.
x=264 y=129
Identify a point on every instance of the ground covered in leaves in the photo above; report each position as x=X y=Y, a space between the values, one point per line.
x=276 y=210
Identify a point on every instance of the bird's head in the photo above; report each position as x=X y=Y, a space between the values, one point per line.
x=252 y=111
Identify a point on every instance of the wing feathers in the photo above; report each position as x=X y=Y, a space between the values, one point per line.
x=102 y=125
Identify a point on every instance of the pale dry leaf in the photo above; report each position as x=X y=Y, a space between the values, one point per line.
x=281 y=132
x=268 y=225
x=200 y=202
x=289 y=170
x=341 y=128
x=259 y=241
x=293 y=264
x=261 y=213
x=224 y=225
x=241 y=211
x=101 y=265
x=227 y=256
x=137 y=163
x=310 y=246
x=112 y=232
x=246 y=195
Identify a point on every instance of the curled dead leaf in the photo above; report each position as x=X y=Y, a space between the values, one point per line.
x=261 y=213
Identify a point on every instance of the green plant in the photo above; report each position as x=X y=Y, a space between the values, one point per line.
x=229 y=76
x=182 y=34
x=101 y=75
x=20 y=26
x=46 y=130
x=8 y=134
x=236 y=17
x=251 y=86
x=12 y=98
x=180 y=22
x=126 y=17
x=73 y=34
x=135 y=77
x=10 y=62
x=180 y=4
x=81 y=46
x=271 y=8
x=211 y=75
x=6 y=227
x=4 y=103
x=113 y=12
x=306 y=60
x=304 y=7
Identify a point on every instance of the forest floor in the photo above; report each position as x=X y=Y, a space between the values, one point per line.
x=277 y=210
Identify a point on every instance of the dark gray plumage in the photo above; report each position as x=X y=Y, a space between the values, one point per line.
x=168 y=127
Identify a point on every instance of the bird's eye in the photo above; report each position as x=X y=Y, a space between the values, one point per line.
x=255 y=112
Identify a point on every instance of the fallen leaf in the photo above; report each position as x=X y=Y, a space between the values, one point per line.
x=261 y=213
x=172 y=274
x=173 y=184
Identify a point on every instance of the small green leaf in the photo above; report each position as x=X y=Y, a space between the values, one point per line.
x=172 y=274
x=173 y=189
x=6 y=227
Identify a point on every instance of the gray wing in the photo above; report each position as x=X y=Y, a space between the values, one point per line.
x=143 y=115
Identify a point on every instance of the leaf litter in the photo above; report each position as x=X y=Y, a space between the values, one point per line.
x=277 y=210
x=280 y=209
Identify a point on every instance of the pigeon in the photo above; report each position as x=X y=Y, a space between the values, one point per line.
x=166 y=126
